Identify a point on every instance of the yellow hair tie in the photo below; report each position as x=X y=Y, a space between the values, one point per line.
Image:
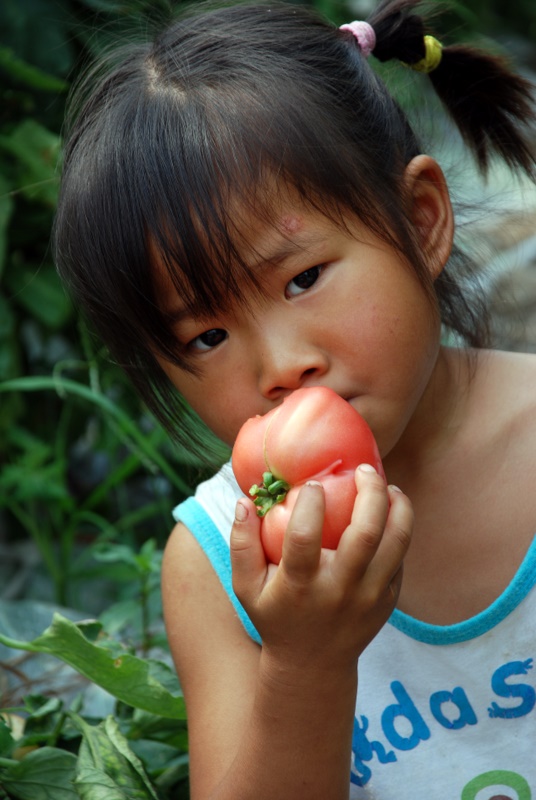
x=432 y=58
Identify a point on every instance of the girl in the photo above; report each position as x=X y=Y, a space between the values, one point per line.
x=245 y=210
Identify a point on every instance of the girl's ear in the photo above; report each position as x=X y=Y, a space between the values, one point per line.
x=431 y=210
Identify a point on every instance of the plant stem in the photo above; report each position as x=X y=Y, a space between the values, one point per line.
x=116 y=414
x=8 y=762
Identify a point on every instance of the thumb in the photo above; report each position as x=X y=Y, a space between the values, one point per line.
x=248 y=561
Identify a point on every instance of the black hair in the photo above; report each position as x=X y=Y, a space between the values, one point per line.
x=177 y=132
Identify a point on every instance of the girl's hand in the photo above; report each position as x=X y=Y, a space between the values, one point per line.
x=324 y=606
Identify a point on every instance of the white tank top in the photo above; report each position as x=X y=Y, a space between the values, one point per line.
x=443 y=712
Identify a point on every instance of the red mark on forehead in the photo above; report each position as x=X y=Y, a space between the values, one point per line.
x=291 y=224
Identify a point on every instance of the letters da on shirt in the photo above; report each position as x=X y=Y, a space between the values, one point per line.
x=405 y=727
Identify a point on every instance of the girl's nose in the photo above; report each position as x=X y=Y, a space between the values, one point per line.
x=287 y=363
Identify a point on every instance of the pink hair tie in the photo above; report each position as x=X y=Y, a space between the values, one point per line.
x=364 y=33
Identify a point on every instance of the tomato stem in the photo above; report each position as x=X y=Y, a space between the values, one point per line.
x=272 y=491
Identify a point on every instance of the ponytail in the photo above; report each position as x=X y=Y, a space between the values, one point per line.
x=488 y=102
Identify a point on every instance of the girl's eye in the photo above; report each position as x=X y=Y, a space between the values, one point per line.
x=207 y=340
x=303 y=281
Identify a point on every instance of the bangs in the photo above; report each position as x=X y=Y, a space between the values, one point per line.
x=185 y=143
x=188 y=152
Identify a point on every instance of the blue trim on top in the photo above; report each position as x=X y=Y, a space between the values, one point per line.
x=217 y=550
x=523 y=581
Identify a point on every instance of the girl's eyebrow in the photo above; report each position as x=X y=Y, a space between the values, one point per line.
x=175 y=315
x=284 y=250
x=287 y=248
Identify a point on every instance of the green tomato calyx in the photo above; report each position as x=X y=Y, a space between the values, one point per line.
x=271 y=491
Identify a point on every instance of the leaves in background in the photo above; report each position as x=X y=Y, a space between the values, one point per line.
x=39 y=292
x=37 y=152
x=43 y=774
x=143 y=683
x=107 y=768
x=40 y=33
x=25 y=73
x=6 y=208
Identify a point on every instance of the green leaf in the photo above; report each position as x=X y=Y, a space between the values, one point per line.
x=6 y=207
x=159 y=756
x=112 y=552
x=107 y=768
x=9 y=346
x=21 y=484
x=26 y=73
x=39 y=291
x=40 y=32
x=44 y=774
x=148 y=726
x=37 y=151
x=11 y=409
x=142 y=683
x=7 y=741
x=35 y=473
x=120 y=614
x=66 y=386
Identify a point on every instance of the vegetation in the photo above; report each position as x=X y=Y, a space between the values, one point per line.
x=87 y=477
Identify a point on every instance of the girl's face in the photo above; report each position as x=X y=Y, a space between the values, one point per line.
x=341 y=310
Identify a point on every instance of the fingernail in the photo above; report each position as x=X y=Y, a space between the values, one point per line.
x=366 y=468
x=313 y=483
x=394 y=488
x=241 y=512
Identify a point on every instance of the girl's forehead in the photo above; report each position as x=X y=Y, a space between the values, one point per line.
x=254 y=238
x=279 y=221
x=272 y=242
x=276 y=224
x=291 y=223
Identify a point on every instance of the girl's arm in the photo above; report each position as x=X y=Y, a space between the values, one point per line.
x=277 y=721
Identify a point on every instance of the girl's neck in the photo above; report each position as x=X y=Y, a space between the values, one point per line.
x=439 y=418
x=468 y=469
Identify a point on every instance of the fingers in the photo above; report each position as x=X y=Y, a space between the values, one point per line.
x=248 y=561
x=371 y=549
x=303 y=538
x=396 y=539
x=362 y=538
x=301 y=545
x=379 y=534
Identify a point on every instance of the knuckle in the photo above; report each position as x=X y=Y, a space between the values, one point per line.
x=300 y=556
x=300 y=536
x=401 y=526
x=301 y=544
x=341 y=598
x=402 y=536
x=297 y=585
x=371 y=598
x=238 y=544
x=376 y=486
x=369 y=534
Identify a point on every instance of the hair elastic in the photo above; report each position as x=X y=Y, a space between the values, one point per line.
x=364 y=33
x=433 y=53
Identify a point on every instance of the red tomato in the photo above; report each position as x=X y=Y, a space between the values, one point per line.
x=313 y=435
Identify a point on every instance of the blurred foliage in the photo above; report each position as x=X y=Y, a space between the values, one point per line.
x=86 y=474
x=496 y=18
x=71 y=467
x=52 y=746
x=80 y=457
x=66 y=451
